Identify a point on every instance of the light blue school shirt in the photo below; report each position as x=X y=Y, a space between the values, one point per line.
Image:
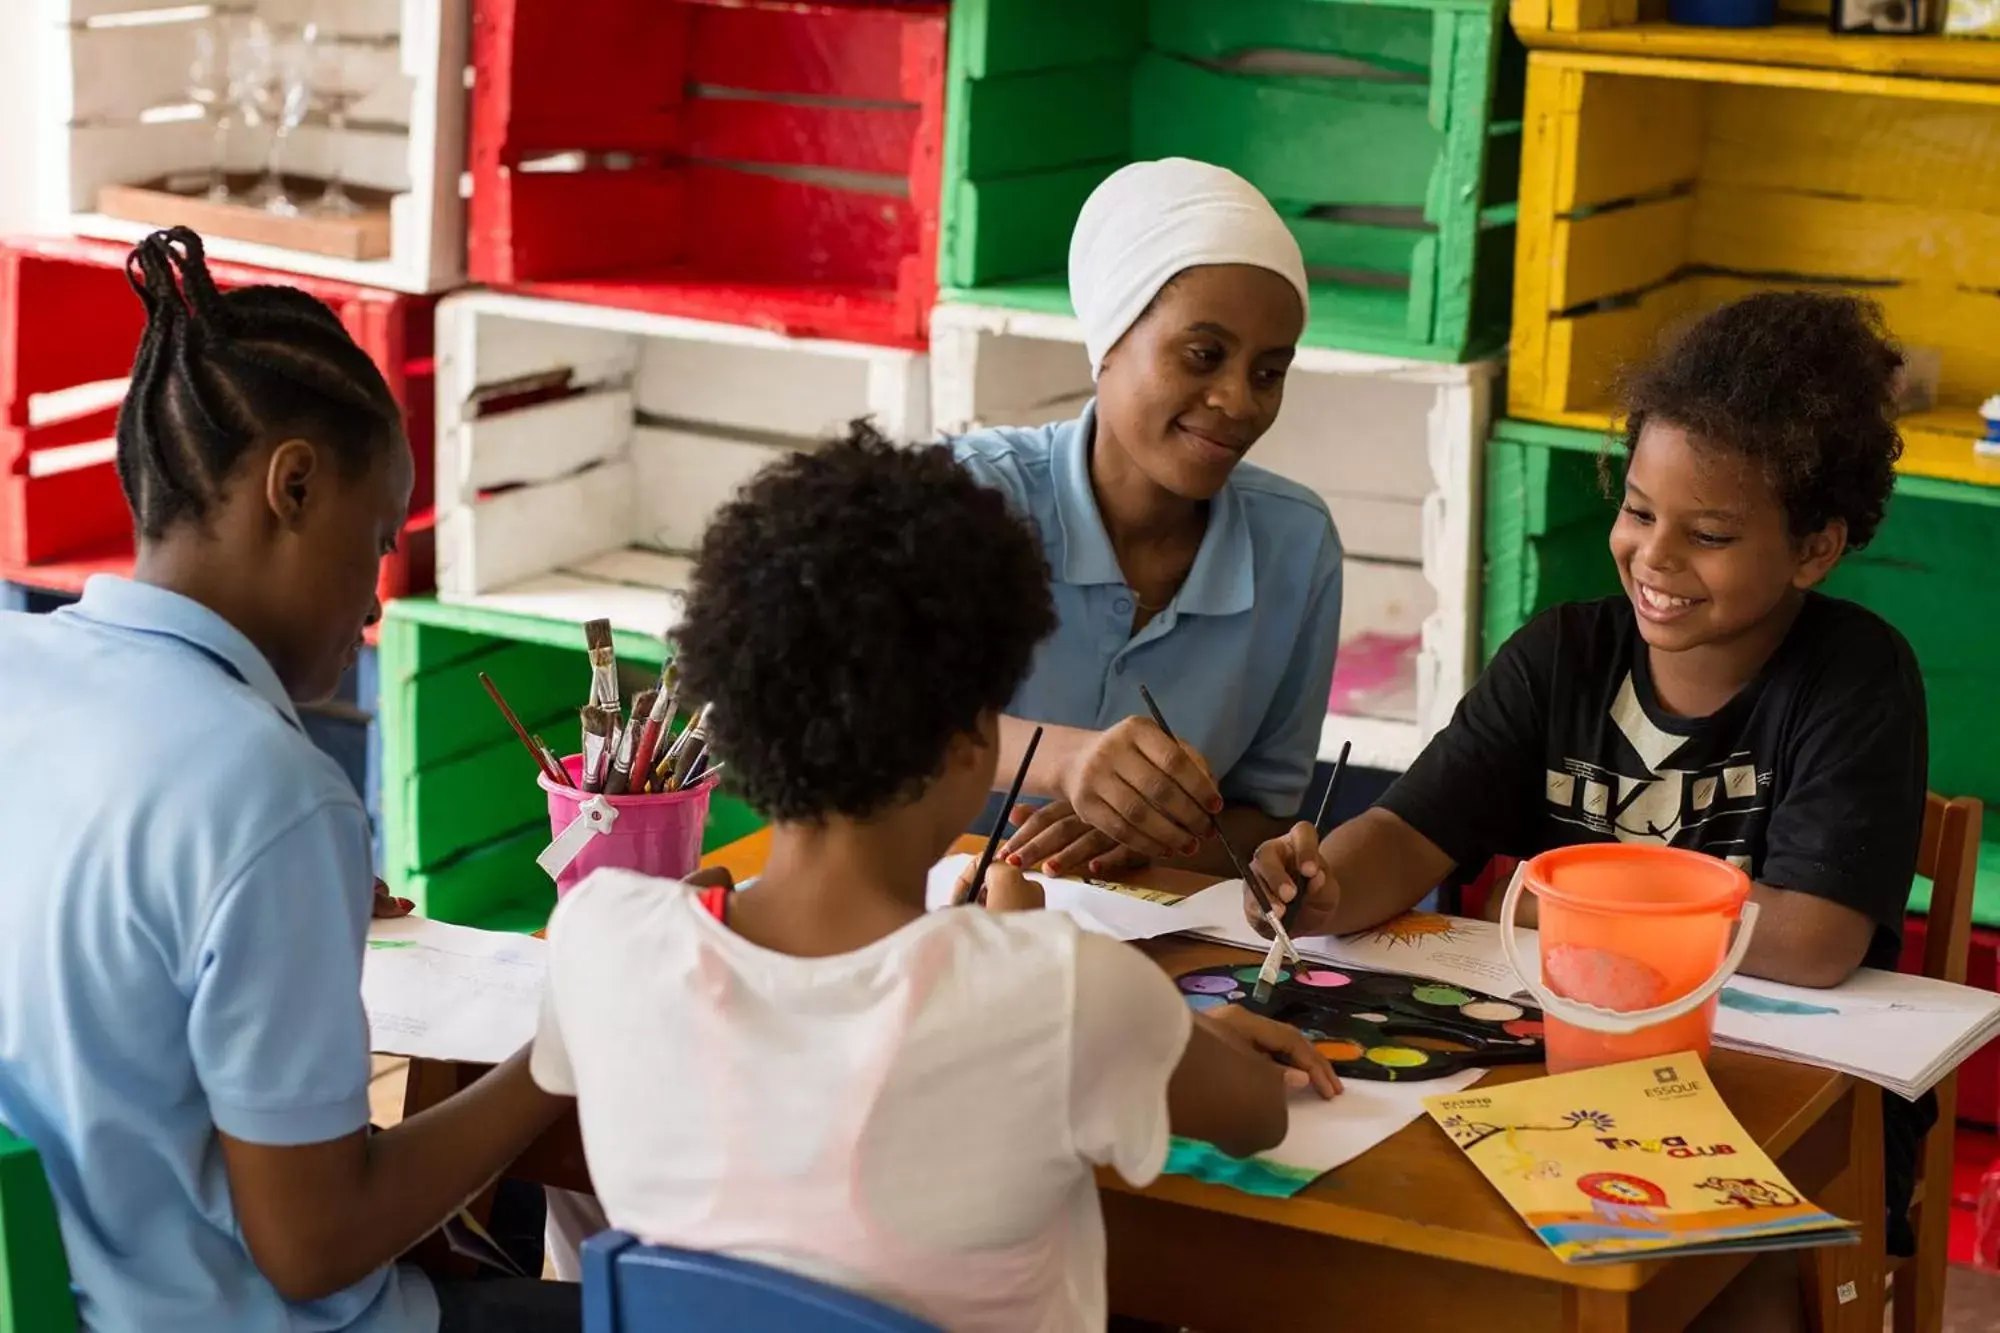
x=1241 y=660
x=185 y=884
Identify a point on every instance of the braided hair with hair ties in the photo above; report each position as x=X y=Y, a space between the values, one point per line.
x=219 y=373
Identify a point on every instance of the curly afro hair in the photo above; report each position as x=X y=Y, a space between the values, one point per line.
x=1802 y=384
x=852 y=610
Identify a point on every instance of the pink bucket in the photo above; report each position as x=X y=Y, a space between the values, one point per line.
x=654 y=835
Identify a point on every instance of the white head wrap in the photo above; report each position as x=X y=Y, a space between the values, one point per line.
x=1149 y=221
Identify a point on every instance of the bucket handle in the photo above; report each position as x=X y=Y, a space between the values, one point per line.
x=1618 y=1022
x=594 y=815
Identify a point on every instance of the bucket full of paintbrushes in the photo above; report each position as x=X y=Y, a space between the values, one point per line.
x=654 y=834
x=637 y=797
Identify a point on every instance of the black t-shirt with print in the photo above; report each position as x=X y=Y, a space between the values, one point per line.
x=1812 y=778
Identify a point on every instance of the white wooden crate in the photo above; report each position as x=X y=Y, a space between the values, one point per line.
x=1393 y=446
x=587 y=504
x=116 y=109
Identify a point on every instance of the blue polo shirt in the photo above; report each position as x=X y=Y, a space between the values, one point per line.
x=1241 y=660
x=184 y=901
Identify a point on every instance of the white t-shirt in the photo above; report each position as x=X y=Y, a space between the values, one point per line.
x=916 y=1120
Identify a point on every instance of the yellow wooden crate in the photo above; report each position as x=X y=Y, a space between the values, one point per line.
x=1800 y=37
x=1653 y=191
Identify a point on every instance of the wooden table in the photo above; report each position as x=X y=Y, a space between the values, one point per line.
x=1410 y=1234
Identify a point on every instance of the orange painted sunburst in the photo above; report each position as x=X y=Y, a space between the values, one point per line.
x=1414 y=929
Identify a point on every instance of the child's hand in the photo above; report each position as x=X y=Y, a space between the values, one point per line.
x=1007 y=889
x=387 y=906
x=1054 y=839
x=1300 y=888
x=1282 y=1042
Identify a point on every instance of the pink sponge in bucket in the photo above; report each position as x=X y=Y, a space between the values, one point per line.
x=654 y=835
x=1601 y=977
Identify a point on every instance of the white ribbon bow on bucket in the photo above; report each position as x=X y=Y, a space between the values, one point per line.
x=1595 y=1018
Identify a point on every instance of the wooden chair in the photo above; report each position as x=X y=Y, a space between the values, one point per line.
x=1949 y=858
x=34 y=1274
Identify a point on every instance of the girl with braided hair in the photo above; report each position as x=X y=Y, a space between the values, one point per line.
x=185 y=894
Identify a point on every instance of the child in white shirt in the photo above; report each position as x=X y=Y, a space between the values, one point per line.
x=813 y=1072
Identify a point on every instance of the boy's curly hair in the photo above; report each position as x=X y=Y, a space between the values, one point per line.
x=1802 y=384
x=852 y=610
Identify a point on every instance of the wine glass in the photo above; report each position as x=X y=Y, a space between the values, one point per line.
x=256 y=95
x=288 y=97
x=210 y=89
x=342 y=73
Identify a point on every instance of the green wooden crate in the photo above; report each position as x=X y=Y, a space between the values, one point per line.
x=1387 y=132
x=462 y=816
x=1931 y=564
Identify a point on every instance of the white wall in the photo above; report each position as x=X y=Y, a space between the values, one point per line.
x=19 y=22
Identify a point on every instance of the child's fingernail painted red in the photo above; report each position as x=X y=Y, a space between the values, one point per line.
x=1014 y=859
x=1215 y=806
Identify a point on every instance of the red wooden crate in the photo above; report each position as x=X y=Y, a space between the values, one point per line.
x=745 y=161
x=68 y=319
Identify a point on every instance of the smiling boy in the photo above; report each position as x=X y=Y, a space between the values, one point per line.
x=1721 y=704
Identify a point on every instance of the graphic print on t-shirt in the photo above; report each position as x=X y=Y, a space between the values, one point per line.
x=1714 y=807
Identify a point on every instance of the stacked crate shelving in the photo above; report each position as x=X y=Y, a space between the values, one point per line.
x=1666 y=171
x=760 y=162
x=117 y=110
x=68 y=326
x=1388 y=134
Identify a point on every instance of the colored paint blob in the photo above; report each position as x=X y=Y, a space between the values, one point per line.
x=1201 y=984
x=1397 y=1057
x=1249 y=974
x=1492 y=1011
x=1440 y=995
x=1200 y=1002
x=1745 y=1002
x=1323 y=978
x=1523 y=1027
x=1373 y=1018
x=1236 y=995
x=1337 y=1051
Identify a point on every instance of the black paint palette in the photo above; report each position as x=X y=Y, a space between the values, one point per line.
x=1375 y=1026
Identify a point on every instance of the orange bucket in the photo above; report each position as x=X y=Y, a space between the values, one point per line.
x=1635 y=948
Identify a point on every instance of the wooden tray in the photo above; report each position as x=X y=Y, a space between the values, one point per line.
x=363 y=236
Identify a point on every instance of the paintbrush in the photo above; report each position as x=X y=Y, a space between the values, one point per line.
x=1250 y=880
x=652 y=719
x=603 y=662
x=619 y=782
x=561 y=774
x=1000 y=825
x=596 y=747
x=1332 y=786
x=672 y=769
x=553 y=772
x=1267 y=975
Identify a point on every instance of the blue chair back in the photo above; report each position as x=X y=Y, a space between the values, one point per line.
x=634 y=1288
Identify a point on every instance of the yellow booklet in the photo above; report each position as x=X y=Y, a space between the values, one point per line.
x=1632 y=1161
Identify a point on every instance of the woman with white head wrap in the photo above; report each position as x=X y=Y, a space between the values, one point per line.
x=1176 y=565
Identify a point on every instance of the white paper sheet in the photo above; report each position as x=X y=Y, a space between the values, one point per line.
x=1324 y=1135
x=1104 y=911
x=447 y=992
